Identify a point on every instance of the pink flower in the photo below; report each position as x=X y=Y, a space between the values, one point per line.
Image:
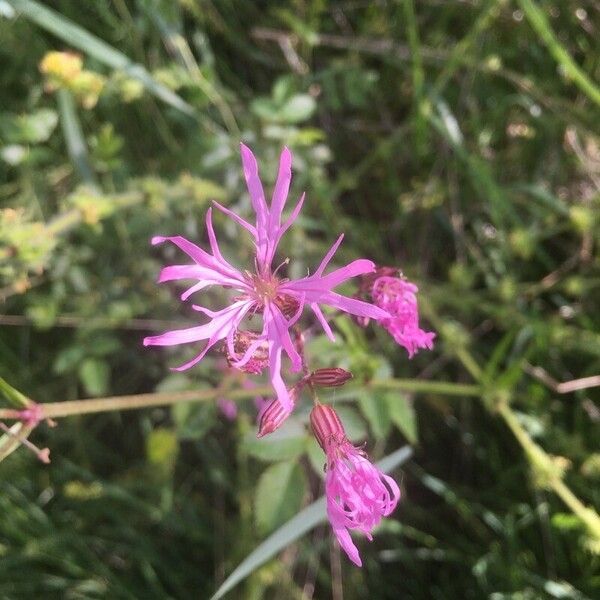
x=398 y=297
x=358 y=494
x=279 y=300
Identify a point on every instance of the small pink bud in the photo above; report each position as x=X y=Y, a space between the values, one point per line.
x=333 y=377
x=274 y=415
x=326 y=425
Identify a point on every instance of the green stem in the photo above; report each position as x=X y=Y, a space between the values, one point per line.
x=540 y=460
x=446 y=388
x=56 y=410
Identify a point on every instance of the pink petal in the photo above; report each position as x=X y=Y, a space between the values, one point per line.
x=236 y=218
x=282 y=186
x=343 y=537
x=356 y=267
x=275 y=376
x=327 y=258
x=321 y=317
x=174 y=272
x=314 y=285
x=195 y=288
x=221 y=324
x=212 y=238
x=278 y=330
x=217 y=270
x=257 y=195
x=291 y=218
x=353 y=306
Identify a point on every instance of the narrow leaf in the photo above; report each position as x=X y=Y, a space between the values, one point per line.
x=278 y=495
x=74 y=137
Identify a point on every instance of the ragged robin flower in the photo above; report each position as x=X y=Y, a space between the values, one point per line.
x=262 y=290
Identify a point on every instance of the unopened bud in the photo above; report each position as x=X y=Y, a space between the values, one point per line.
x=332 y=377
x=274 y=415
x=326 y=425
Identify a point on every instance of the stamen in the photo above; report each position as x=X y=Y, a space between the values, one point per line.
x=285 y=262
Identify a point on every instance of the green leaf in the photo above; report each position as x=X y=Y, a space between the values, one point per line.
x=76 y=36
x=94 y=374
x=287 y=443
x=193 y=421
x=316 y=457
x=298 y=108
x=375 y=409
x=67 y=359
x=402 y=414
x=162 y=448
x=32 y=128
x=278 y=495
x=356 y=429
x=296 y=527
x=264 y=108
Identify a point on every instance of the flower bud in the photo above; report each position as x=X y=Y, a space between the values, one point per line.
x=274 y=415
x=326 y=425
x=332 y=377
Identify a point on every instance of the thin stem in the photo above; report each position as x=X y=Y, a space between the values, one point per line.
x=305 y=369
x=56 y=410
x=552 y=478
x=446 y=388
x=538 y=459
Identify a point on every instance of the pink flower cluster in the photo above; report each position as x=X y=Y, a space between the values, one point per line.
x=358 y=494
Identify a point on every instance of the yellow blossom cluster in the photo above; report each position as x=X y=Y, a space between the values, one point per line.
x=64 y=70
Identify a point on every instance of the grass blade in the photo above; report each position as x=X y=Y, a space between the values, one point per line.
x=540 y=24
x=76 y=36
x=302 y=523
x=74 y=137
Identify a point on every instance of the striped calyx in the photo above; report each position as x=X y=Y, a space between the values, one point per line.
x=330 y=377
x=326 y=426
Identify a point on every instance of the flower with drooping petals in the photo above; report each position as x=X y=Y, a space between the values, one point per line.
x=398 y=297
x=263 y=291
x=358 y=494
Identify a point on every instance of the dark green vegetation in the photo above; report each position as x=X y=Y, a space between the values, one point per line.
x=458 y=140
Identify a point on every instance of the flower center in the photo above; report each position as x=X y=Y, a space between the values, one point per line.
x=265 y=288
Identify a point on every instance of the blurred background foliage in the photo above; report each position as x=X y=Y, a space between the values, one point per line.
x=457 y=139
